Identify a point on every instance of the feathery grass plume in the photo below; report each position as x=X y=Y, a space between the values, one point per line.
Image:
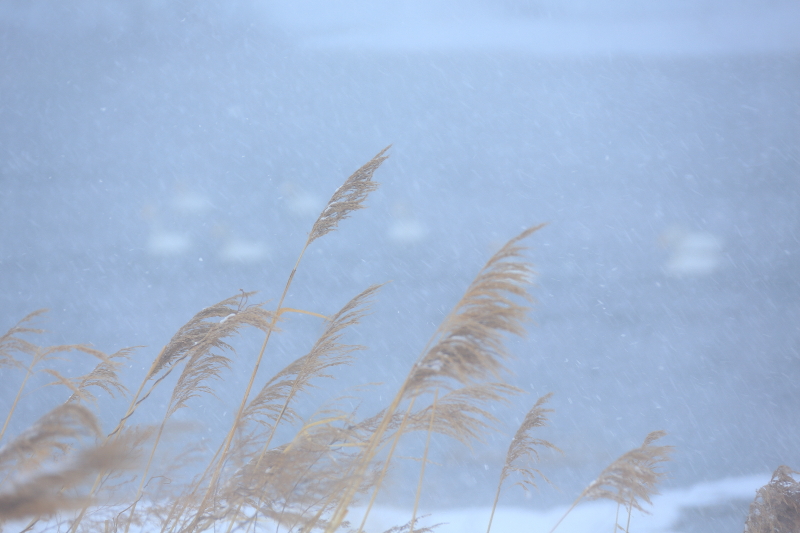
x=201 y=342
x=348 y=197
x=272 y=404
x=205 y=331
x=523 y=451
x=776 y=507
x=11 y=343
x=205 y=354
x=48 y=492
x=103 y=376
x=632 y=477
x=467 y=347
x=350 y=438
x=469 y=344
x=290 y=484
x=459 y=415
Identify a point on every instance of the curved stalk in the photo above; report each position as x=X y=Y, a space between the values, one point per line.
x=424 y=461
x=386 y=465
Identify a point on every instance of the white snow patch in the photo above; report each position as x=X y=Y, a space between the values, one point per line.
x=587 y=517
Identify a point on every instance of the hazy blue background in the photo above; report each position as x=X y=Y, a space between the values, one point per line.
x=156 y=159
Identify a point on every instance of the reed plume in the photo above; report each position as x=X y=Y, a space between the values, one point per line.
x=291 y=483
x=467 y=349
x=633 y=476
x=46 y=463
x=205 y=357
x=103 y=376
x=207 y=329
x=629 y=479
x=201 y=342
x=459 y=414
x=524 y=451
x=62 y=428
x=348 y=198
x=10 y=342
x=272 y=404
x=468 y=345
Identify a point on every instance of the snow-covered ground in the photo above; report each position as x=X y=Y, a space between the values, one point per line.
x=710 y=507
x=669 y=513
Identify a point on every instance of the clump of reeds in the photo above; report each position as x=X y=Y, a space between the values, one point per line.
x=630 y=479
x=776 y=507
x=64 y=466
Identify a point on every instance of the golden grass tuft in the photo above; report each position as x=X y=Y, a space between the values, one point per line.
x=468 y=345
x=348 y=198
x=776 y=507
x=524 y=452
x=634 y=476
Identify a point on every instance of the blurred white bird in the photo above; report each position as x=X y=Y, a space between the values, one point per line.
x=234 y=249
x=405 y=227
x=692 y=253
x=163 y=242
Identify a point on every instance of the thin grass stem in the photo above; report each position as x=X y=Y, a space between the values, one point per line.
x=494 y=507
x=28 y=373
x=301 y=311
x=571 y=507
x=386 y=463
x=145 y=472
x=424 y=461
x=630 y=511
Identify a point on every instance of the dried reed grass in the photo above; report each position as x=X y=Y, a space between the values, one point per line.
x=335 y=458
x=776 y=507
